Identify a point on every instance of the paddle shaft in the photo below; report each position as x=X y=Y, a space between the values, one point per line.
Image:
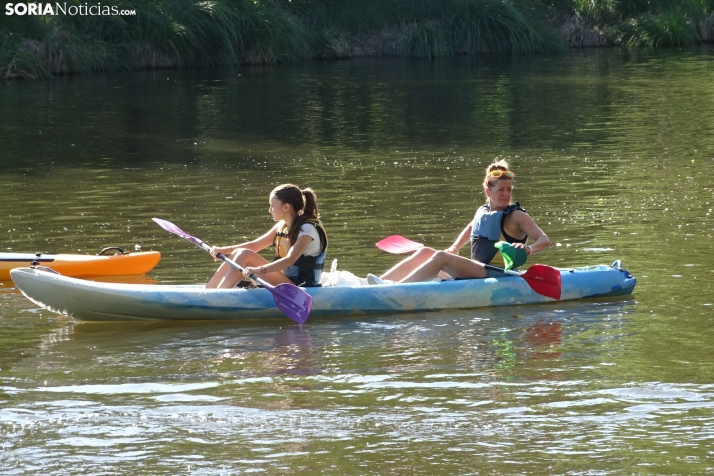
x=234 y=265
x=502 y=270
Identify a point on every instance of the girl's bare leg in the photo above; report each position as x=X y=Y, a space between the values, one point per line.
x=228 y=277
x=454 y=265
x=405 y=267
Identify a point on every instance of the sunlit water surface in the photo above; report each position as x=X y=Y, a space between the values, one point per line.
x=614 y=156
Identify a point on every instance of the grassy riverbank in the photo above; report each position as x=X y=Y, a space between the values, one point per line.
x=190 y=33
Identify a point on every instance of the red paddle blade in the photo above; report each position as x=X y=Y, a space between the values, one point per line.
x=544 y=280
x=398 y=244
x=293 y=301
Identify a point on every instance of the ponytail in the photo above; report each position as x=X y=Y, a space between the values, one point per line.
x=304 y=202
x=308 y=212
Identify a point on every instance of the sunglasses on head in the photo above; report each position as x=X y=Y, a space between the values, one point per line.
x=501 y=173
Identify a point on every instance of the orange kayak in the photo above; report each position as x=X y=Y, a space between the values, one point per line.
x=83 y=265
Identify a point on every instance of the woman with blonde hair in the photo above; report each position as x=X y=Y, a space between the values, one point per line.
x=300 y=244
x=497 y=220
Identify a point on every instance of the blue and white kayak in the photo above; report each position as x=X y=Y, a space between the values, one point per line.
x=96 y=301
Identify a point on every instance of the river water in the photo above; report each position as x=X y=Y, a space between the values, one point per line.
x=614 y=158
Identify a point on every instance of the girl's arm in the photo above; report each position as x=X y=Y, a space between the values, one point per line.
x=294 y=253
x=256 y=245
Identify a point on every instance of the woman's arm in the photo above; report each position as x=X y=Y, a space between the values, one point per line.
x=526 y=225
x=461 y=240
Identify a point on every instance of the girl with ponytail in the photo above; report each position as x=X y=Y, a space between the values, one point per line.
x=299 y=238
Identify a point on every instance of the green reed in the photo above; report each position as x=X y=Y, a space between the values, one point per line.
x=492 y=26
x=175 y=33
x=427 y=40
x=436 y=28
x=665 y=29
x=651 y=23
x=192 y=33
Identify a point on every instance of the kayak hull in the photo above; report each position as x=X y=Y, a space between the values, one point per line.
x=86 y=266
x=94 y=301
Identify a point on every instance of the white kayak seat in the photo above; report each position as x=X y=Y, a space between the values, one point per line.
x=335 y=278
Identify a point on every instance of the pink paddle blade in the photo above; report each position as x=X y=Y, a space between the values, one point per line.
x=398 y=244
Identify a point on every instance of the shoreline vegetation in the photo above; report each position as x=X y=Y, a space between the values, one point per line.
x=225 y=33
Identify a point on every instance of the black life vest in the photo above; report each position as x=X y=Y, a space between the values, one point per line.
x=307 y=270
x=487 y=230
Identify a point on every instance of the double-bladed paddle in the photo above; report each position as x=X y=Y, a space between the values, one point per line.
x=290 y=299
x=542 y=278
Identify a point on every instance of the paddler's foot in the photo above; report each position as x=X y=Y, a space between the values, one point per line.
x=372 y=279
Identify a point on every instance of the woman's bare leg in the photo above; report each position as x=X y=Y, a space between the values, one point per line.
x=454 y=265
x=228 y=277
x=405 y=267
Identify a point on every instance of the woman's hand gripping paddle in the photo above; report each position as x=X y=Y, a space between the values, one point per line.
x=290 y=299
x=542 y=278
